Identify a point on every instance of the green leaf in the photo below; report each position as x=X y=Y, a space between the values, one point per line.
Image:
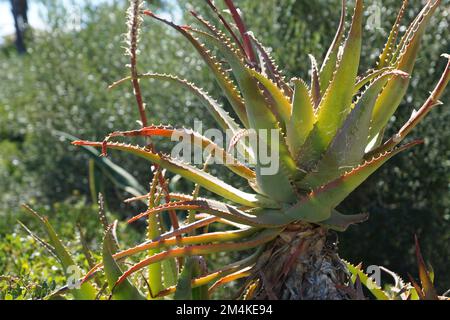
x=428 y=290
x=191 y=173
x=125 y=290
x=277 y=185
x=194 y=268
x=315 y=82
x=348 y=146
x=317 y=206
x=369 y=77
x=283 y=106
x=391 y=97
x=302 y=119
x=258 y=217
x=356 y=271
x=329 y=64
x=170 y=273
x=389 y=48
x=86 y=291
x=184 y=288
x=269 y=68
x=336 y=101
x=195 y=139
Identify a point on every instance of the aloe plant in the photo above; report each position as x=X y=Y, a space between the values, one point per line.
x=329 y=137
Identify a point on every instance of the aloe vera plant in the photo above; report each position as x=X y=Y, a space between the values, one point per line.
x=329 y=139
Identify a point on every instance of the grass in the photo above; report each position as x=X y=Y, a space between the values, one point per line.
x=27 y=269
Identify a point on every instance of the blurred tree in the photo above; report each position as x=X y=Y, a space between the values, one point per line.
x=19 y=9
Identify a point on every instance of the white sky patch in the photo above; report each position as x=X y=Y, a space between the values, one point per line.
x=36 y=10
x=7 y=21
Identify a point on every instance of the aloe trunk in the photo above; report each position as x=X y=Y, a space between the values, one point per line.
x=302 y=264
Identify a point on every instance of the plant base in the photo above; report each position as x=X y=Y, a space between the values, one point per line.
x=301 y=264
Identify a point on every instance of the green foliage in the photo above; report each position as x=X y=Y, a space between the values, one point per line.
x=28 y=270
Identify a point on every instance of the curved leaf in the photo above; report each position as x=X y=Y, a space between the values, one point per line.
x=389 y=48
x=259 y=218
x=329 y=63
x=391 y=97
x=191 y=173
x=86 y=291
x=317 y=206
x=195 y=139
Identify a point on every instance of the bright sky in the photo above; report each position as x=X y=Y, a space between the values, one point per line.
x=7 y=21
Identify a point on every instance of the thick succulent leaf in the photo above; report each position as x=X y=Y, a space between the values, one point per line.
x=184 y=287
x=116 y=174
x=169 y=272
x=374 y=289
x=416 y=117
x=282 y=103
x=317 y=206
x=341 y=222
x=124 y=291
x=409 y=31
x=85 y=291
x=195 y=139
x=222 y=78
x=389 y=48
x=261 y=238
x=191 y=173
x=348 y=146
x=336 y=101
x=278 y=185
x=391 y=97
x=155 y=271
x=258 y=218
x=302 y=118
x=329 y=64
